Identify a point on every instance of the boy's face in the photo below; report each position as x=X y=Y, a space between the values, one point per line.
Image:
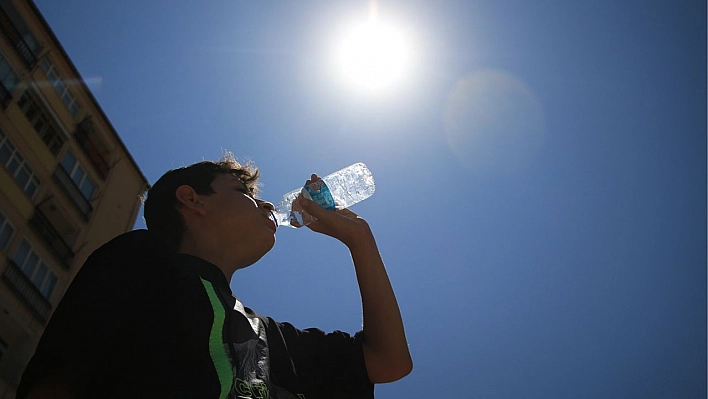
x=242 y=224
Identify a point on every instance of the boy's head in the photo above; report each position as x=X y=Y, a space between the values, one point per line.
x=161 y=210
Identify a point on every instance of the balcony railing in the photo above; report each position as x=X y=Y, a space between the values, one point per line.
x=18 y=44
x=94 y=155
x=71 y=190
x=43 y=227
x=26 y=292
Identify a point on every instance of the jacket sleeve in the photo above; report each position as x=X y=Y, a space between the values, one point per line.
x=318 y=364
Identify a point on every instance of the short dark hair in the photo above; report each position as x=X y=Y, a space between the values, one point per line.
x=161 y=211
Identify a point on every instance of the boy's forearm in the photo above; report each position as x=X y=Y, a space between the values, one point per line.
x=385 y=346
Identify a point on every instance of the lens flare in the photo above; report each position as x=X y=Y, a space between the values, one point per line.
x=493 y=122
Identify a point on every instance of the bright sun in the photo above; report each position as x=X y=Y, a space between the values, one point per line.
x=373 y=55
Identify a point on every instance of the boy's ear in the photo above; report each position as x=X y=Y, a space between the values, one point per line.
x=189 y=199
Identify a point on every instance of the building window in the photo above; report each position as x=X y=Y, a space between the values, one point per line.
x=17 y=166
x=9 y=80
x=6 y=232
x=78 y=175
x=93 y=147
x=60 y=86
x=8 y=76
x=38 y=272
x=43 y=125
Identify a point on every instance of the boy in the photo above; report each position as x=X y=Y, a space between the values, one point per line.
x=151 y=313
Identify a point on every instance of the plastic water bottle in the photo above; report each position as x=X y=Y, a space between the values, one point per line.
x=339 y=190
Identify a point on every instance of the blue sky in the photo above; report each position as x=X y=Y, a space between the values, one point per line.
x=540 y=169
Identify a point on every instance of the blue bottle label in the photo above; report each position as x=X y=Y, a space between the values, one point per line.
x=319 y=193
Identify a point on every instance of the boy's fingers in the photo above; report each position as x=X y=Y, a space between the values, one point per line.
x=311 y=207
x=313 y=178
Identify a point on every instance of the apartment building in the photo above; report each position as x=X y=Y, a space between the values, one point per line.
x=67 y=182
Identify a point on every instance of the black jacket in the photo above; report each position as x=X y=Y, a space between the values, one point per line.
x=140 y=320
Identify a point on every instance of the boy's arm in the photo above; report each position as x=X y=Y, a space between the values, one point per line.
x=385 y=347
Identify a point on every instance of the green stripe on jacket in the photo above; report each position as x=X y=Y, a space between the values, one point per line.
x=216 y=342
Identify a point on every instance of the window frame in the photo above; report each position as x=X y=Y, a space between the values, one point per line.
x=32 y=183
x=5 y=225
x=49 y=280
x=75 y=170
x=60 y=86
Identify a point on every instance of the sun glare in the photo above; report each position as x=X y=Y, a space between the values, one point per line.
x=373 y=55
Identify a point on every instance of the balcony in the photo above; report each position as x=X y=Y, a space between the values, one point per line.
x=44 y=228
x=26 y=292
x=73 y=192
x=83 y=134
x=13 y=35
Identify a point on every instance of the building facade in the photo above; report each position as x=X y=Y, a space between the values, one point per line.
x=67 y=182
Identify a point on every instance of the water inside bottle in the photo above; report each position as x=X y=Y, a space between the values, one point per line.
x=288 y=211
x=342 y=189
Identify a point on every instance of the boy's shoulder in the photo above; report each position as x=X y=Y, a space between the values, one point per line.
x=135 y=243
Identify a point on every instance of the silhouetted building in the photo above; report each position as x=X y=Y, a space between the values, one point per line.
x=67 y=182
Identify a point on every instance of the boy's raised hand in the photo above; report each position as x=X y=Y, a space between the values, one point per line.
x=344 y=225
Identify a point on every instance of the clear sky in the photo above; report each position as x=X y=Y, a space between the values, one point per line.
x=540 y=169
